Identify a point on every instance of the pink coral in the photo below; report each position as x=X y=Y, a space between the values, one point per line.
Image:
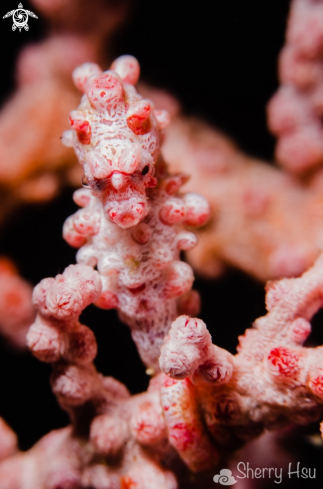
x=218 y=405
x=15 y=304
x=107 y=422
x=272 y=381
x=263 y=221
x=206 y=402
x=8 y=441
x=295 y=111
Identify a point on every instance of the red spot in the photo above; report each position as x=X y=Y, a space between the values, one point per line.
x=82 y=128
x=108 y=300
x=127 y=483
x=181 y=436
x=168 y=382
x=138 y=125
x=138 y=119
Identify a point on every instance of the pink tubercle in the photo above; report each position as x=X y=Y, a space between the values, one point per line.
x=81 y=126
x=147 y=425
x=130 y=216
x=108 y=300
x=127 y=68
x=141 y=233
x=105 y=91
x=255 y=202
x=179 y=279
x=197 y=210
x=86 y=223
x=300 y=329
x=172 y=211
x=129 y=159
x=283 y=362
x=99 y=166
x=316 y=382
x=71 y=236
x=83 y=72
x=138 y=117
x=82 y=197
x=173 y=183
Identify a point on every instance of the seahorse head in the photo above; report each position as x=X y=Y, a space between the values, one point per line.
x=116 y=137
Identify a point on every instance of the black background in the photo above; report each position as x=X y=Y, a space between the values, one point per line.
x=219 y=59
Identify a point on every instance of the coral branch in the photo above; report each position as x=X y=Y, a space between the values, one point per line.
x=106 y=445
x=296 y=110
x=8 y=441
x=16 y=310
x=209 y=403
x=132 y=224
x=271 y=382
x=262 y=221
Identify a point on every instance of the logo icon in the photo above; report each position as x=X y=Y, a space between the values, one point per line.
x=225 y=478
x=20 y=18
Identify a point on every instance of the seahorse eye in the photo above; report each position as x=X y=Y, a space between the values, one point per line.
x=85 y=182
x=145 y=170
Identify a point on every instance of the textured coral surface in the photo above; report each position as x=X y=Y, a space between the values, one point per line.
x=16 y=310
x=271 y=382
x=296 y=110
x=205 y=405
x=131 y=227
x=263 y=221
x=107 y=445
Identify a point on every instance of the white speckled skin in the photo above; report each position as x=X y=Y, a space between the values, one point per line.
x=116 y=135
x=132 y=225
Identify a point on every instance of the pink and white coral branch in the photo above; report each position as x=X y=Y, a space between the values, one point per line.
x=214 y=403
x=263 y=221
x=295 y=112
x=16 y=310
x=272 y=381
x=107 y=443
x=206 y=402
